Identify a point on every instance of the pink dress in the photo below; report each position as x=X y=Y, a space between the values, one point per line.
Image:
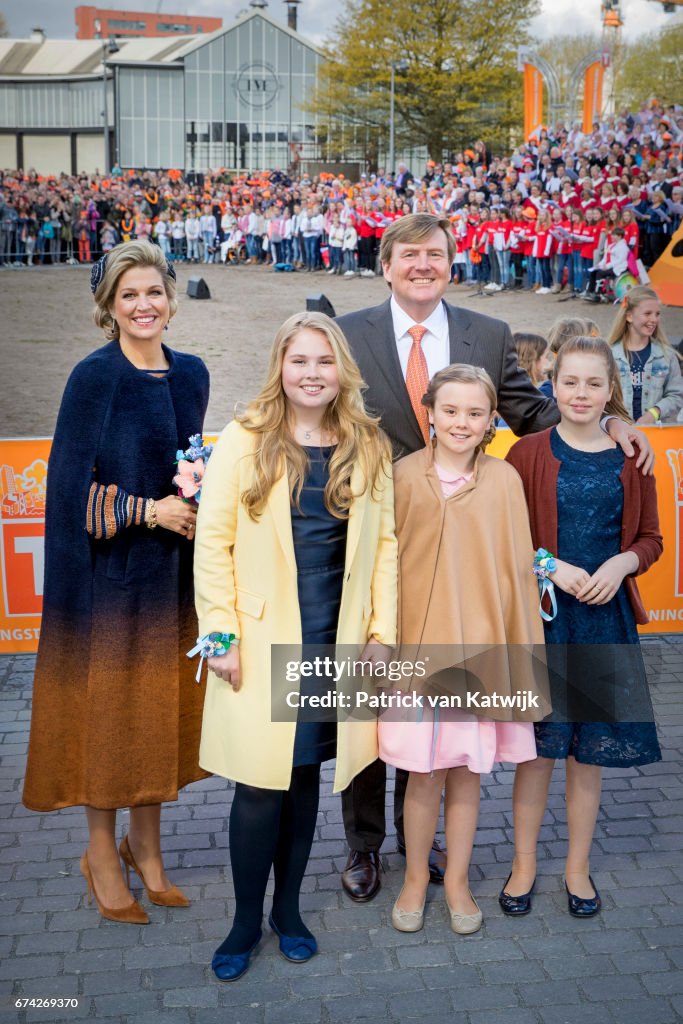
x=435 y=741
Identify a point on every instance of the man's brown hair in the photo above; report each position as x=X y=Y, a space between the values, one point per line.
x=415 y=228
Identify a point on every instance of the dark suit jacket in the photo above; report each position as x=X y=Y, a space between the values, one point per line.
x=475 y=339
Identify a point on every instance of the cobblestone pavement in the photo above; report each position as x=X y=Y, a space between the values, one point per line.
x=548 y=968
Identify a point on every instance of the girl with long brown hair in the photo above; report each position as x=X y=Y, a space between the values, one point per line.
x=595 y=528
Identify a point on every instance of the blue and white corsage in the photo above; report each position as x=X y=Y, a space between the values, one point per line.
x=544 y=563
x=213 y=645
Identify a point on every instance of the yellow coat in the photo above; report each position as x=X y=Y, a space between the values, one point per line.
x=246 y=584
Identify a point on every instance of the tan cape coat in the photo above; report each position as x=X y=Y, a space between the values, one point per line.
x=466 y=580
x=246 y=584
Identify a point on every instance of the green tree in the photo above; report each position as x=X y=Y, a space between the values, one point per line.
x=455 y=78
x=653 y=67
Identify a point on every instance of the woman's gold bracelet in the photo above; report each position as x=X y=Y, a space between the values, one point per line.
x=151 y=514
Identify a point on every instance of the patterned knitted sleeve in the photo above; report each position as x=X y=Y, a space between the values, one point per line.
x=111 y=509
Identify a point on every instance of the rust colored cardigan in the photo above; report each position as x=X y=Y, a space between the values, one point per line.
x=533 y=459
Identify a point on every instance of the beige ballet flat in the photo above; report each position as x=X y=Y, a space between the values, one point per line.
x=407 y=920
x=466 y=924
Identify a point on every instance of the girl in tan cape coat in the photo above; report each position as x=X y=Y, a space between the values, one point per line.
x=465 y=577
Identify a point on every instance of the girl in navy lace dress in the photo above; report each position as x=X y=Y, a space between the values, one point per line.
x=593 y=509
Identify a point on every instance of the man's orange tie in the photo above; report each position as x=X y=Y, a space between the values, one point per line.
x=417 y=378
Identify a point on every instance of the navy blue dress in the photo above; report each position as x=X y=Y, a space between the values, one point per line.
x=595 y=648
x=320 y=552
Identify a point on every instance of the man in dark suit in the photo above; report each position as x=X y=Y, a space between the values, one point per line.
x=403 y=179
x=416 y=254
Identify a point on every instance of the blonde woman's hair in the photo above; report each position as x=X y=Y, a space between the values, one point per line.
x=631 y=301
x=589 y=346
x=359 y=438
x=463 y=373
x=566 y=327
x=123 y=257
x=530 y=348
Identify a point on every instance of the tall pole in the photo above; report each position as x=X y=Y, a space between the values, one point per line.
x=104 y=108
x=108 y=47
x=390 y=168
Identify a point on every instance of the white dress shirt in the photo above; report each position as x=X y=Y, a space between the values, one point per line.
x=435 y=343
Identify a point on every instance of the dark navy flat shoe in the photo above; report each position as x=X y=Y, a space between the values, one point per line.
x=231 y=966
x=580 y=907
x=297 y=949
x=515 y=906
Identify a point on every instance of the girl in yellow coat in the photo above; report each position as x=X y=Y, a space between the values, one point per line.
x=295 y=544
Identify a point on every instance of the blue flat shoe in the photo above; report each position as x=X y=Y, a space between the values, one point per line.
x=231 y=966
x=515 y=906
x=296 y=949
x=580 y=907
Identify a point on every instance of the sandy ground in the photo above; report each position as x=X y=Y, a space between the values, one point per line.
x=46 y=327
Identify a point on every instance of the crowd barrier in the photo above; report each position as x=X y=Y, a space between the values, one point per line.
x=23 y=476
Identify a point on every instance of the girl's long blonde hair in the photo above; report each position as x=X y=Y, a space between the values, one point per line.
x=359 y=438
x=631 y=300
x=590 y=346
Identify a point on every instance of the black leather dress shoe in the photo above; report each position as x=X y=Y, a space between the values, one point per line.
x=580 y=907
x=437 y=859
x=360 y=877
x=515 y=906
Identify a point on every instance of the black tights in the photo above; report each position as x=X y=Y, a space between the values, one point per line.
x=271 y=828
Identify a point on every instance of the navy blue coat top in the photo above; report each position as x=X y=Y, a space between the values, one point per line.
x=116 y=712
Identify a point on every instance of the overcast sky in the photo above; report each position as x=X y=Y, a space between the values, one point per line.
x=316 y=17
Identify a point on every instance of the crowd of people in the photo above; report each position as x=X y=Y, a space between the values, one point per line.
x=561 y=213
x=350 y=501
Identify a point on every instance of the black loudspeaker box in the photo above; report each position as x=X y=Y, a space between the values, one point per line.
x=197 y=288
x=319 y=303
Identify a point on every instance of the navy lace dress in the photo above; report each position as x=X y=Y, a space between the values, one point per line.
x=593 y=650
x=320 y=551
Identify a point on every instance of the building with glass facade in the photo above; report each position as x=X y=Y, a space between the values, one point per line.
x=231 y=99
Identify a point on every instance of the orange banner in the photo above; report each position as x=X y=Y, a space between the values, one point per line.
x=662 y=587
x=23 y=472
x=666 y=276
x=533 y=99
x=592 y=95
